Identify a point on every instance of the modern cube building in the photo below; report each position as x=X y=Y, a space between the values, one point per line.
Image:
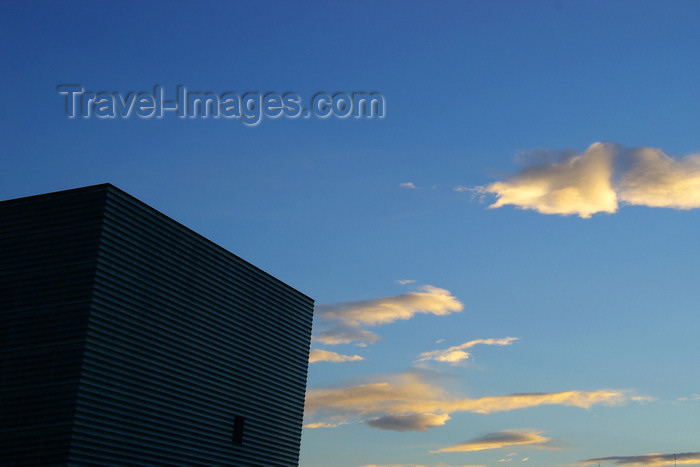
x=128 y=339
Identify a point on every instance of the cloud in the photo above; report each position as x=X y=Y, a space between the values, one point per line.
x=657 y=460
x=408 y=185
x=599 y=179
x=409 y=397
x=322 y=425
x=501 y=439
x=318 y=355
x=657 y=180
x=583 y=399
x=405 y=281
x=340 y=323
x=344 y=335
x=422 y=465
x=456 y=354
x=431 y=300
x=580 y=184
x=642 y=399
x=409 y=422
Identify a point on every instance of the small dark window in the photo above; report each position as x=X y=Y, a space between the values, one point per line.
x=238 y=423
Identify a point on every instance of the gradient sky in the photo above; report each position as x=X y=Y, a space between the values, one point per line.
x=506 y=267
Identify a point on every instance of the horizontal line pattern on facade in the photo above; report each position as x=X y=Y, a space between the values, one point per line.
x=183 y=337
x=164 y=361
x=192 y=276
x=187 y=331
x=48 y=253
x=159 y=366
x=134 y=228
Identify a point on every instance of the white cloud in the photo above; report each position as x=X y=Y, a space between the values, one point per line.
x=319 y=355
x=599 y=179
x=405 y=281
x=580 y=184
x=456 y=354
x=408 y=185
x=657 y=180
x=501 y=439
x=341 y=323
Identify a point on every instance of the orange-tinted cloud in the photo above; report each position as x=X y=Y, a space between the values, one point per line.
x=422 y=465
x=457 y=353
x=429 y=299
x=409 y=422
x=319 y=355
x=341 y=323
x=655 y=460
x=501 y=439
x=340 y=334
x=414 y=403
x=322 y=425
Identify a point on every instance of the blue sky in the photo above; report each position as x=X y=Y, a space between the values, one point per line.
x=590 y=264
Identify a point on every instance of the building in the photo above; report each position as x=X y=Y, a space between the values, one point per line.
x=128 y=339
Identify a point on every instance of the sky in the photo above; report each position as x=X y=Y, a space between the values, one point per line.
x=505 y=264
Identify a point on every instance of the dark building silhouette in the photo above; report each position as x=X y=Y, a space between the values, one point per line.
x=128 y=339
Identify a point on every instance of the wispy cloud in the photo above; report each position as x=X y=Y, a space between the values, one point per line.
x=422 y=465
x=405 y=281
x=409 y=185
x=501 y=439
x=409 y=422
x=341 y=334
x=642 y=399
x=322 y=425
x=656 y=460
x=430 y=300
x=599 y=179
x=341 y=323
x=454 y=355
x=409 y=402
x=319 y=355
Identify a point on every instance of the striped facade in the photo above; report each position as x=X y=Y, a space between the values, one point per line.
x=128 y=339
